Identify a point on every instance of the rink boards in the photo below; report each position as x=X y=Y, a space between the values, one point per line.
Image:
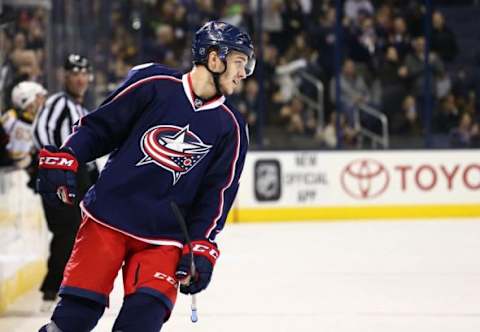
x=23 y=237
x=303 y=185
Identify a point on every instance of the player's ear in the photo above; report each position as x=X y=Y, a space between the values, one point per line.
x=214 y=62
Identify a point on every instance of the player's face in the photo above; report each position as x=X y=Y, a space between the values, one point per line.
x=77 y=82
x=235 y=72
x=38 y=102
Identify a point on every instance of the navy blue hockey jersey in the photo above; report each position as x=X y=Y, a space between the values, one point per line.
x=165 y=146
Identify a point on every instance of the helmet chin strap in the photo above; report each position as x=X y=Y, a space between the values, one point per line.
x=216 y=78
x=28 y=115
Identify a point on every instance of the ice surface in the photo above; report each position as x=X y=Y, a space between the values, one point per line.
x=367 y=276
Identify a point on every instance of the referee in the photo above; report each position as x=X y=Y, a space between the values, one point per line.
x=52 y=126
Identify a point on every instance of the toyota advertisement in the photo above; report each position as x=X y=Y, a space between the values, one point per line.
x=338 y=179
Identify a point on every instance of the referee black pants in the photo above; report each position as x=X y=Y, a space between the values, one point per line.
x=63 y=223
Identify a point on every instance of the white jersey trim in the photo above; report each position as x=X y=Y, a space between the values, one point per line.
x=189 y=93
x=232 y=175
x=150 y=241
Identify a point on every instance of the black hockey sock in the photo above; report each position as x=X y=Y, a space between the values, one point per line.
x=76 y=314
x=140 y=312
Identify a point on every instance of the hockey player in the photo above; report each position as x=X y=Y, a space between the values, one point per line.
x=27 y=97
x=52 y=126
x=172 y=137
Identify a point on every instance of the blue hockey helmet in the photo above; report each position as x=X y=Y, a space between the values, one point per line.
x=223 y=37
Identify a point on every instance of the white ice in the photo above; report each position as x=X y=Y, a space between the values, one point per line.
x=363 y=276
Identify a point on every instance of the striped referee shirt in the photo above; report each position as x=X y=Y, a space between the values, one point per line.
x=53 y=123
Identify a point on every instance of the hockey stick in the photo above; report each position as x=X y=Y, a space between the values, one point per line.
x=183 y=226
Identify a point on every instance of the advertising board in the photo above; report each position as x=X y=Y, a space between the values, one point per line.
x=360 y=184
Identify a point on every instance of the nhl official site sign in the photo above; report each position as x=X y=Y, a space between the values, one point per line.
x=268 y=180
x=293 y=180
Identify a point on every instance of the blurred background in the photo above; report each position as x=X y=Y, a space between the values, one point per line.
x=358 y=110
x=351 y=74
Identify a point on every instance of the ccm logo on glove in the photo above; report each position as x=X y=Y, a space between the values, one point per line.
x=56 y=180
x=59 y=161
x=205 y=250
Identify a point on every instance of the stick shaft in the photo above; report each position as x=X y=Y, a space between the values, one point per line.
x=183 y=226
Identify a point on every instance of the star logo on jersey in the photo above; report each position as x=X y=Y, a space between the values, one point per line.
x=173 y=148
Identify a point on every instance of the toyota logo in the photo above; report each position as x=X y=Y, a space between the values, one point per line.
x=364 y=178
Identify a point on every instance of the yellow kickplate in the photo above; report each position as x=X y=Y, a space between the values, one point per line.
x=22 y=281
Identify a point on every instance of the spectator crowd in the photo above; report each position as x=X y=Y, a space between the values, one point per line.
x=382 y=65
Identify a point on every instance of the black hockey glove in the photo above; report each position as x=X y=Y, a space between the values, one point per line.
x=56 y=180
x=205 y=255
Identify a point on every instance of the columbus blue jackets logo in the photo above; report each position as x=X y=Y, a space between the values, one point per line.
x=173 y=148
